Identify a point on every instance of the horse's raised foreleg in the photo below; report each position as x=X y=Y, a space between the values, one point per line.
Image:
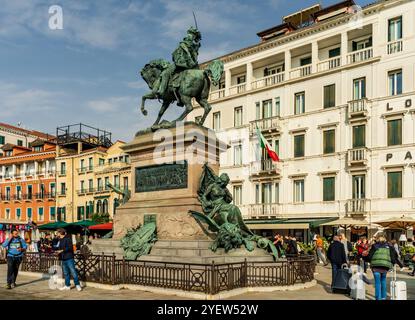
x=150 y=96
x=163 y=109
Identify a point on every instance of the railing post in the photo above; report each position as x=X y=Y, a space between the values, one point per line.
x=113 y=268
x=245 y=274
x=123 y=271
x=102 y=267
x=212 y=287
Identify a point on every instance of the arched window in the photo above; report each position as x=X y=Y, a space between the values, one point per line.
x=105 y=206
x=89 y=209
x=99 y=206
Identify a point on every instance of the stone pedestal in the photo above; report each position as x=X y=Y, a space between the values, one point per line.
x=166 y=168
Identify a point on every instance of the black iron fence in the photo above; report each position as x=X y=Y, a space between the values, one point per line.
x=204 y=278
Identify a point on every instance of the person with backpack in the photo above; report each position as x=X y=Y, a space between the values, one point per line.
x=16 y=246
x=382 y=257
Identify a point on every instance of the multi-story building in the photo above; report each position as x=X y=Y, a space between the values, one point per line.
x=333 y=91
x=87 y=161
x=19 y=136
x=27 y=183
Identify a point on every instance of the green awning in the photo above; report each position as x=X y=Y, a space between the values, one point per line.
x=53 y=225
x=287 y=223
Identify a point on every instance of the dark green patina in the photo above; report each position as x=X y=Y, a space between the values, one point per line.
x=138 y=241
x=223 y=217
x=181 y=80
x=161 y=177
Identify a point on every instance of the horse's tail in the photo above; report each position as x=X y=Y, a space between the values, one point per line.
x=214 y=70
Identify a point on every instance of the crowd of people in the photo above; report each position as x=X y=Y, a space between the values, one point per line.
x=378 y=253
x=375 y=253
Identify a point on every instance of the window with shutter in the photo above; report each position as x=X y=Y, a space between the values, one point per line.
x=328 y=189
x=329 y=96
x=359 y=136
x=329 y=141
x=394 y=132
x=299 y=146
x=395 y=184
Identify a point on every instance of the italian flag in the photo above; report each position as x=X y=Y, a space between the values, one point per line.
x=265 y=145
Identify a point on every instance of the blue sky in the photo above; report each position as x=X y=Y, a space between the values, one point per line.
x=89 y=71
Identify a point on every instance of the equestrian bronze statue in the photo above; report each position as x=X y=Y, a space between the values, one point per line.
x=181 y=80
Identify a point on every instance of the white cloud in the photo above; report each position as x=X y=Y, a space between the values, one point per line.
x=112 y=104
x=15 y=100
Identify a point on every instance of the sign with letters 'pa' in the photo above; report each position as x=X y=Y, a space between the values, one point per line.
x=161 y=177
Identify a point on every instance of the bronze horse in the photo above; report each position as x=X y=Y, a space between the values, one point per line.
x=192 y=83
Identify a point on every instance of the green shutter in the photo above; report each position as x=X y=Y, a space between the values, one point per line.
x=359 y=136
x=328 y=189
x=299 y=146
x=329 y=96
x=394 y=184
x=329 y=141
x=394 y=132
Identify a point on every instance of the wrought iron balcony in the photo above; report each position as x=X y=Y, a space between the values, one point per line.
x=357 y=156
x=266 y=125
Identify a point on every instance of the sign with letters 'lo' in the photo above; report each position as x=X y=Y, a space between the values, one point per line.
x=161 y=177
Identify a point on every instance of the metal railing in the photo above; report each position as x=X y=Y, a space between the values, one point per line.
x=268 y=80
x=360 y=55
x=395 y=46
x=329 y=64
x=206 y=278
x=266 y=124
x=301 y=71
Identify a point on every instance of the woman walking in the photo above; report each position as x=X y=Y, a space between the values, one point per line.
x=382 y=257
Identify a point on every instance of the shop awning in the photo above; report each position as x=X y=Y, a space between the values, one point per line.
x=53 y=225
x=287 y=223
x=104 y=226
x=348 y=222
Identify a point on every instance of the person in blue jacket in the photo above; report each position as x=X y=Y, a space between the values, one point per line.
x=66 y=255
x=16 y=246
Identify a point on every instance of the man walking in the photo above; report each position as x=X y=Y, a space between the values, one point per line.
x=66 y=255
x=15 y=246
x=337 y=257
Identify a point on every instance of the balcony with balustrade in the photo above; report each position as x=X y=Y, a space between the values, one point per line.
x=267 y=125
x=262 y=210
x=357 y=156
x=394 y=46
x=112 y=167
x=335 y=52
x=358 y=109
x=265 y=167
x=357 y=208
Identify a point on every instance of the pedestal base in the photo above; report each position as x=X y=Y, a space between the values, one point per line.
x=184 y=251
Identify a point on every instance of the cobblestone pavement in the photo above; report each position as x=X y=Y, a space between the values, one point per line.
x=34 y=288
